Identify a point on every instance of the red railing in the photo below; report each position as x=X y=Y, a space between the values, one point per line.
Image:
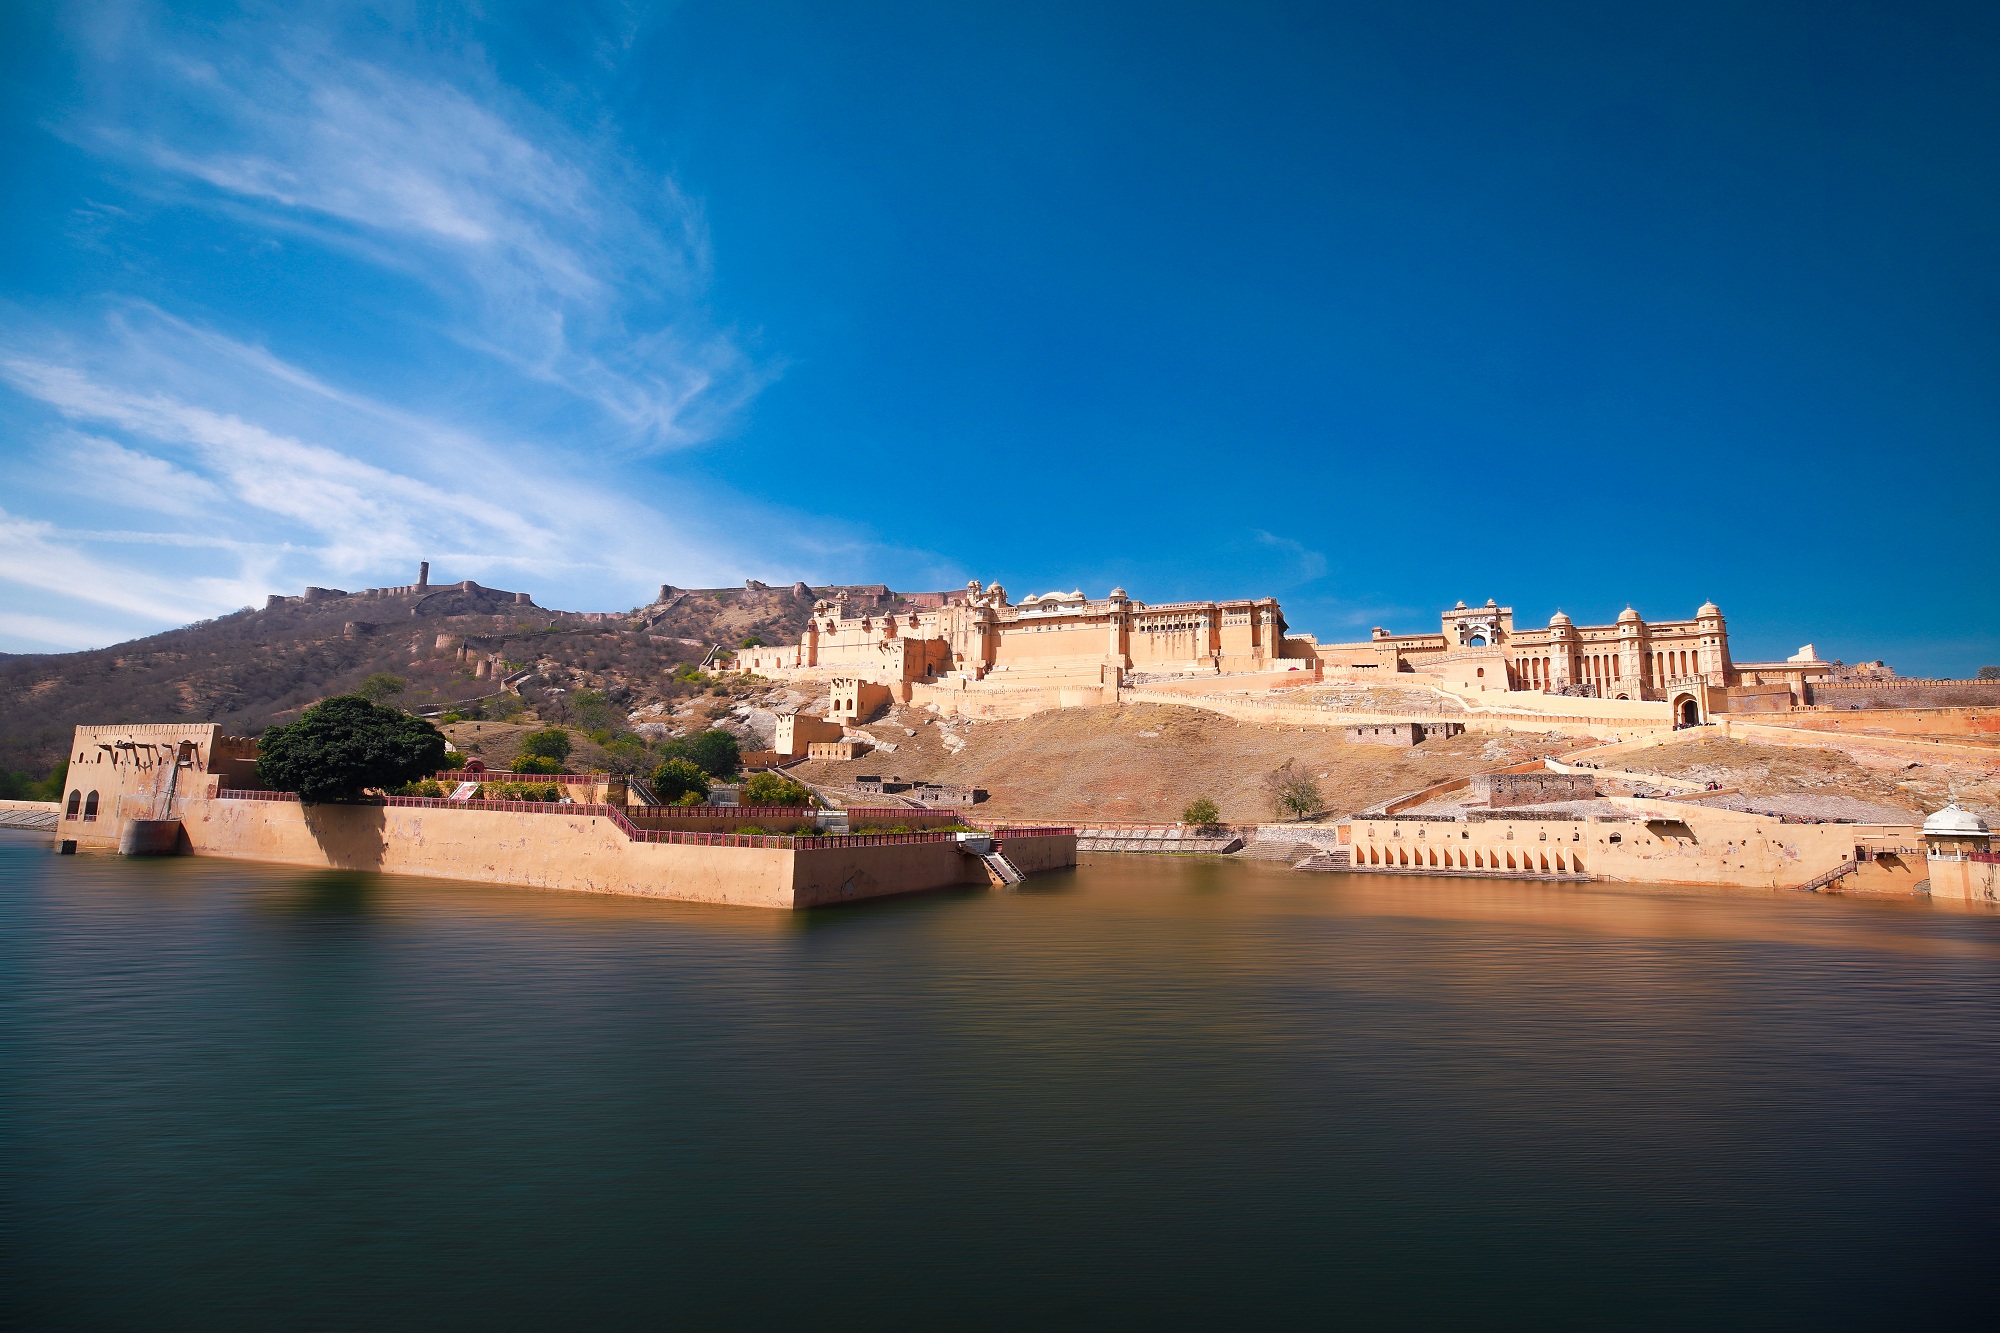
x=897 y=812
x=728 y=811
x=501 y=775
x=1051 y=832
x=227 y=795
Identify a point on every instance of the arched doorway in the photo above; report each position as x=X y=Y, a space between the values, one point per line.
x=1688 y=711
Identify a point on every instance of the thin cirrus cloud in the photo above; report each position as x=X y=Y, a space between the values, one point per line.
x=548 y=251
x=164 y=470
x=182 y=400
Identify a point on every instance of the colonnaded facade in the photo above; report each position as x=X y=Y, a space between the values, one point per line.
x=1059 y=640
x=1685 y=663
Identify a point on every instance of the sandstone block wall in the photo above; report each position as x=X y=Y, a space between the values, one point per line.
x=1497 y=790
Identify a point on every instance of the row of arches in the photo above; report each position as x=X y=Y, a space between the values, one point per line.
x=87 y=803
x=1537 y=673
x=1676 y=663
x=1475 y=859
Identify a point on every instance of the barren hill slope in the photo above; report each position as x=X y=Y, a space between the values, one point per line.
x=1146 y=762
x=1844 y=779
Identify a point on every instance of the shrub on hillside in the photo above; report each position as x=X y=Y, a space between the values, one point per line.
x=537 y=763
x=548 y=743
x=1201 y=814
x=380 y=688
x=343 y=746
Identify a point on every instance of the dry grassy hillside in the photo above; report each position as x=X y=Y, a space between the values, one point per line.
x=1145 y=762
x=1910 y=786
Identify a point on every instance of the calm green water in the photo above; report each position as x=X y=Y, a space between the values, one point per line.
x=1151 y=1093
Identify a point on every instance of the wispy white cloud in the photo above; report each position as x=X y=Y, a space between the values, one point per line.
x=541 y=309
x=29 y=632
x=31 y=557
x=372 y=486
x=549 y=249
x=108 y=473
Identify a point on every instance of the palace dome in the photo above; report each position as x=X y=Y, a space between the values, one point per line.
x=1628 y=617
x=1558 y=619
x=1460 y=606
x=1118 y=595
x=1708 y=609
x=1955 y=821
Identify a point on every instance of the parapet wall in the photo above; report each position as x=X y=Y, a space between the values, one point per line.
x=1902 y=721
x=1899 y=693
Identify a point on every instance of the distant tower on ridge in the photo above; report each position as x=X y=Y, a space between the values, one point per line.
x=423 y=574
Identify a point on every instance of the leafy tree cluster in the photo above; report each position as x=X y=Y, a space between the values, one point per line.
x=1989 y=673
x=714 y=752
x=774 y=789
x=677 y=779
x=520 y=791
x=343 y=747
x=543 y=751
x=19 y=786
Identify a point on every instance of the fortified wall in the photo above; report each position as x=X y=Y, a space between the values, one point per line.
x=165 y=788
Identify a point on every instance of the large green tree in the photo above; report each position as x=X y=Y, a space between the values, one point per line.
x=343 y=746
x=677 y=778
x=714 y=752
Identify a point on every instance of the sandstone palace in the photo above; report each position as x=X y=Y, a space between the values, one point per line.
x=977 y=652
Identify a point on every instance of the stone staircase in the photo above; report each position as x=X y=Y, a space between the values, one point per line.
x=1000 y=872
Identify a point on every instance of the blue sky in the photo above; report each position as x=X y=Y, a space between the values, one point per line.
x=1367 y=307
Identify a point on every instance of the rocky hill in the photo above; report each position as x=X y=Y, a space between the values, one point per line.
x=450 y=644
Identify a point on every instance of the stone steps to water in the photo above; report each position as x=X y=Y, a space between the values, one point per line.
x=41 y=816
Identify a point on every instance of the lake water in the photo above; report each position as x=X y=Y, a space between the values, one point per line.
x=1150 y=1093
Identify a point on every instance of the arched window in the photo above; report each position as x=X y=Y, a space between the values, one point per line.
x=75 y=801
x=90 y=806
